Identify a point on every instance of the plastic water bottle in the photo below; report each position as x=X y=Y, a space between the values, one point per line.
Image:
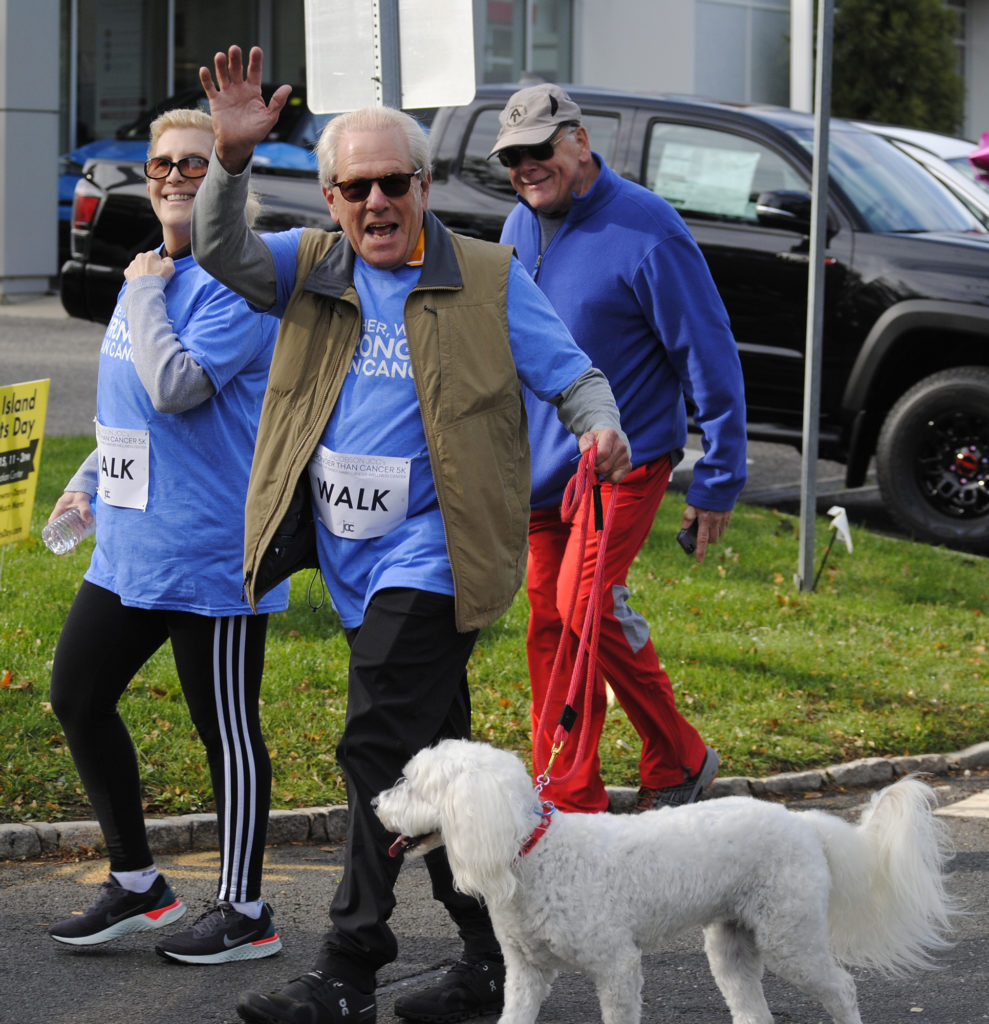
x=63 y=534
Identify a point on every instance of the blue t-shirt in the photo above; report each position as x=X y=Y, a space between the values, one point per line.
x=377 y=413
x=184 y=550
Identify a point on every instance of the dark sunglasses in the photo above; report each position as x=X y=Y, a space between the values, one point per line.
x=395 y=185
x=189 y=167
x=512 y=156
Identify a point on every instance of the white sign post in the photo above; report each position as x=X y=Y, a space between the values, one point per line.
x=395 y=53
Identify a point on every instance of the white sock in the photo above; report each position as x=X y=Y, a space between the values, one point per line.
x=251 y=909
x=136 y=881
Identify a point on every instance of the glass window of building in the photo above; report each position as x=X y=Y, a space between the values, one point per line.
x=517 y=37
x=130 y=55
x=742 y=50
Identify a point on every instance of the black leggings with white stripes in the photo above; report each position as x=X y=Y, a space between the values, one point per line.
x=219 y=663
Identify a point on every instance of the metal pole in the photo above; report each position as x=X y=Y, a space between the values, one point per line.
x=391 y=60
x=815 y=296
x=170 y=49
x=73 y=125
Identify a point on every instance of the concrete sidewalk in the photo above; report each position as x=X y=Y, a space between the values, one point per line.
x=37 y=307
x=329 y=824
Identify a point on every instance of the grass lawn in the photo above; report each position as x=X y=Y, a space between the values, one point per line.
x=886 y=657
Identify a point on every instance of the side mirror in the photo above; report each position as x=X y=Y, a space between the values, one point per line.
x=784 y=209
x=789 y=210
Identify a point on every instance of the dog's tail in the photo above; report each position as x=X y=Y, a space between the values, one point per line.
x=889 y=909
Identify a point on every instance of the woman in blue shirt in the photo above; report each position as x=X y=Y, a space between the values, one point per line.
x=183 y=368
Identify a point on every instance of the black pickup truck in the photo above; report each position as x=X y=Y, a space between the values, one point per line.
x=905 y=365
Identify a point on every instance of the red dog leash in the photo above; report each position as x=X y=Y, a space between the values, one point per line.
x=583 y=489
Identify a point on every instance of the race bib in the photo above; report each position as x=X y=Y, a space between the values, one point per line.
x=359 y=496
x=124 y=466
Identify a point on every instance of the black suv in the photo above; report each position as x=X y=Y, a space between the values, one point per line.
x=905 y=372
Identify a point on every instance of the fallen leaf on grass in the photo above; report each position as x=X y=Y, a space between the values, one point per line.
x=7 y=683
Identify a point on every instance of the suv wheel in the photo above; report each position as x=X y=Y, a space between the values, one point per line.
x=933 y=459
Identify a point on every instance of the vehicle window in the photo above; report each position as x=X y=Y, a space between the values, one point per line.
x=309 y=129
x=713 y=174
x=295 y=123
x=890 y=190
x=479 y=171
x=292 y=120
x=602 y=130
x=476 y=168
x=975 y=200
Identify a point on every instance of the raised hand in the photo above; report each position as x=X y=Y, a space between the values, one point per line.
x=241 y=118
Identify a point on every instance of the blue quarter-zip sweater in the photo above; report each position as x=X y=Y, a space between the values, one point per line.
x=626 y=276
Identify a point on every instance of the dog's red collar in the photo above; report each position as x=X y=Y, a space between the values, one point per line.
x=538 y=832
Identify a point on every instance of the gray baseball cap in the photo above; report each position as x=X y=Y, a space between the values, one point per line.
x=533 y=115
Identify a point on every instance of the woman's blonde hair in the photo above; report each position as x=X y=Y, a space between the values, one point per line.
x=180 y=117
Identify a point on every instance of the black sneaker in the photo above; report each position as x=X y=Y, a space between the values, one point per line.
x=686 y=792
x=117 y=911
x=223 y=934
x=470 y=988
x=313 y=998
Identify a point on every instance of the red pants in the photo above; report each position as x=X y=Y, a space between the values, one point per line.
x=626 y=657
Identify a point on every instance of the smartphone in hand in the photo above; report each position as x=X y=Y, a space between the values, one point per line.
x=687 y=539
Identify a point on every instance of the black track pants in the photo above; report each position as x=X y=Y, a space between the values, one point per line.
x=219 y=663
x=407 y=689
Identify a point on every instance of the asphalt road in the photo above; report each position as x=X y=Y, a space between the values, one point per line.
x=124 y=982
x=38 y=340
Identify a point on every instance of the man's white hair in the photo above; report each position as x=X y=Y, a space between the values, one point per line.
x=370 y=119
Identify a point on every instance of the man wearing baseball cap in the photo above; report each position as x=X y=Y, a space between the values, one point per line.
x=624 y=273
x=534 y=117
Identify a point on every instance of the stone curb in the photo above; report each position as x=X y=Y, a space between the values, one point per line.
x=867 y=772
x=329 y=824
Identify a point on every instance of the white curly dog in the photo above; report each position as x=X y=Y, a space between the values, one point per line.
x=797 y=892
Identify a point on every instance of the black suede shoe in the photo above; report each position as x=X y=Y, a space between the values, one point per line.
x=686 y=792
x=314 y=998
x=470 y=988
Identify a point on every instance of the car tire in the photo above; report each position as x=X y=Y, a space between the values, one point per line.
x=932 y=459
